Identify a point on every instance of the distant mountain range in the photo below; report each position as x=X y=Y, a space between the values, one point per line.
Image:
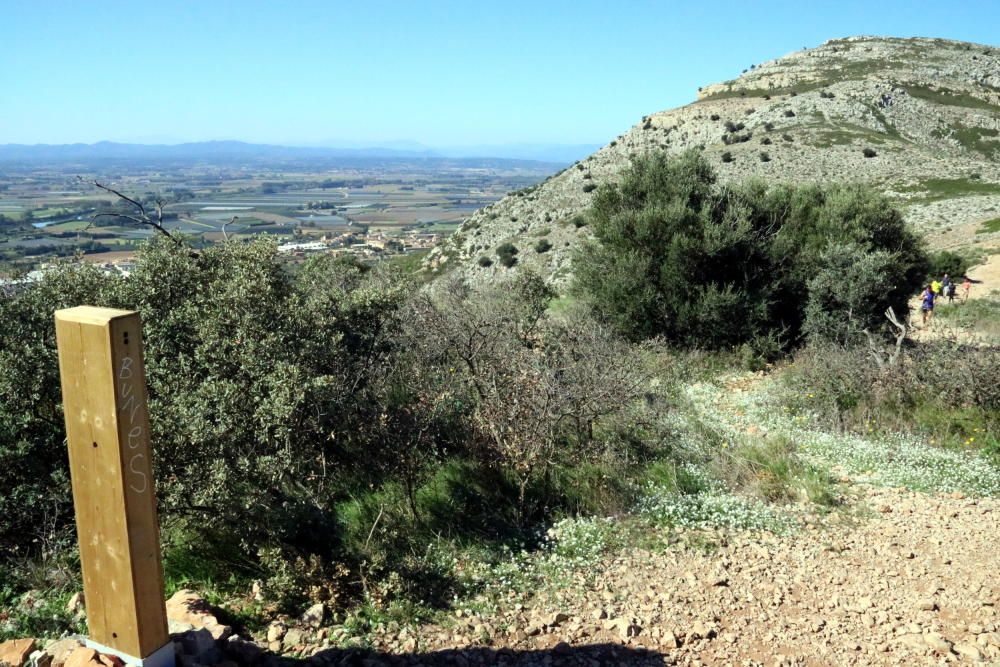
x=228 y=151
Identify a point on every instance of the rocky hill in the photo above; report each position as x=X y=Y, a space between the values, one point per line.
x=917 y=118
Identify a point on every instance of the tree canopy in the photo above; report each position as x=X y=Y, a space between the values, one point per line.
x=678 y=255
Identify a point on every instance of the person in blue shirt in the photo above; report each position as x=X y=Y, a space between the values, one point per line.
x=927 y=304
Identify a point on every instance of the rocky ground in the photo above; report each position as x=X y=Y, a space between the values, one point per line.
x=912 y=582
x=896 y=578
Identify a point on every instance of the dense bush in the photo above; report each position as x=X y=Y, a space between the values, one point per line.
x=709 y=266
x=315 y=420
x=543 y=245
x=869 y=152
x=948 y=262
x=255 y=374
x=507 y=252
x=943 y=389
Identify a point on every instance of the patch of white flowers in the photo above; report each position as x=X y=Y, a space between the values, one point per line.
x=581 y=538
x=895 y=460
x=710 y=509
x=903 y=461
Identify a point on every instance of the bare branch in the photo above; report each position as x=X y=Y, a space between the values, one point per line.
x=877 y=351
x=225 y=236
x=900 y=337
x=141 y=216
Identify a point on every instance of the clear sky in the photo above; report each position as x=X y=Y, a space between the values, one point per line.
x=371 y=71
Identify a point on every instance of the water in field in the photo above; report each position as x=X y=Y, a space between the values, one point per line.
x=323 y=218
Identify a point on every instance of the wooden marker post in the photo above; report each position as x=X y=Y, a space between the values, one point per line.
x=107 y=429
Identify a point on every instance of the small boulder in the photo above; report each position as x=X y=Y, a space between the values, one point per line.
x=937 y=642
x=243 y=651
x=276 y=631
x=16 y=651
x=314 y=616
x=40 y=659
x=198 y=644
x=188 y=607
x=110 y=660
x=700 y=631
x=969 y=652
x=83 y=657
x=294 y=637
x=61 y=649
x=556 y=619
x=76 y=605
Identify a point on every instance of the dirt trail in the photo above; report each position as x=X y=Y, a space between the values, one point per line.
x=892 y=577
x=912 y=582
x=987 y=276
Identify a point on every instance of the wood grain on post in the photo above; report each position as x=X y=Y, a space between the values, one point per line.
x=107 y=430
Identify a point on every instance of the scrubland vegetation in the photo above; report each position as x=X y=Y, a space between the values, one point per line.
x=339 y=432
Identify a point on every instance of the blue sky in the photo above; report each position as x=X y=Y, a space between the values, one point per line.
x=368 y=72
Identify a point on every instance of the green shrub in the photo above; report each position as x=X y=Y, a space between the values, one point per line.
x=506 y=249
x=318 y=426
x=948 y=262
x=543 y=245
x=250 y=369
x=707 y=266
x=589 y=187
x=943 y=390
x=869 y=152
x=727 y=157
x=484 y=261
x=507 y=252
x=764 y=157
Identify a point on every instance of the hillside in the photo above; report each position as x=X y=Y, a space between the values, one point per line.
x=929 y=109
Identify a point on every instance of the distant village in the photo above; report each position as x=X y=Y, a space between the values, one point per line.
x=371 y=246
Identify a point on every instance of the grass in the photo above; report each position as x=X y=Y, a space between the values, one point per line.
x=846 y=135
x=36 y=614
x=978 y=315
x=947 y=188
x=989 y=227
x=798 y=89
x=71 y=226
x=977 y=139
x=948 y=97
x=409 y=263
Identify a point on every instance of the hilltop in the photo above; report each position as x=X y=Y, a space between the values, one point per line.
x=919 y=119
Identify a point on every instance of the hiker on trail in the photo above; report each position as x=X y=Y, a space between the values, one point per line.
x=927 y=303
x=966 y=288
x=948 y=288
x=935 y=287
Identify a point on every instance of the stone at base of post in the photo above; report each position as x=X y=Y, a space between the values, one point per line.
x=161 y=657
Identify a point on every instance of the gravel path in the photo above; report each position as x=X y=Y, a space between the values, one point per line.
x=892 y=577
